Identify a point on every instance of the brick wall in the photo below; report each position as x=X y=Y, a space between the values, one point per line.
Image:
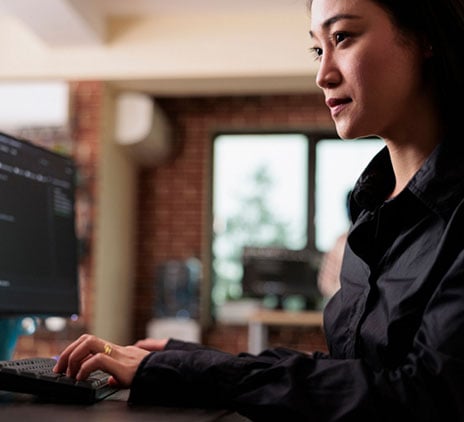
x=172 y=196
x=171 y=202
x=87 y=111
x=234 y=338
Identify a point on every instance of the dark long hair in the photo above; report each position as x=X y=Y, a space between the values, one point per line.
x=440 y=25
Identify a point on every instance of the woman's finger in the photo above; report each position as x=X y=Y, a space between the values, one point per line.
x=84 y=351
x=62 y=362
x=77 y=352
x=121 y=363
x=98 y=361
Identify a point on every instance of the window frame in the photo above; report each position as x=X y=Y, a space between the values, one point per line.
x=313 y=136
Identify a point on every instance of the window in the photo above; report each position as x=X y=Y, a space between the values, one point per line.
x=339 y=163
x=260 y=198
x=279 y=190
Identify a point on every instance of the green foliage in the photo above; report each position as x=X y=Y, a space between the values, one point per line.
x=255 y=224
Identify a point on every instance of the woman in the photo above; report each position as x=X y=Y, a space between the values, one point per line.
x=395 y=329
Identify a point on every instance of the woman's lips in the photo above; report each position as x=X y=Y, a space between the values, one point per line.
x=336 y=105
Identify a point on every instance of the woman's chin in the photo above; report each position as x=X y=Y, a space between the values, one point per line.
x=350 y=132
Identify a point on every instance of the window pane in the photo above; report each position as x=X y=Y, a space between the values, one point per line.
x=260 y=198
x=339 y=163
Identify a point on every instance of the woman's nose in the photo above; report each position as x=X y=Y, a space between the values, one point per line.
x=328 y=74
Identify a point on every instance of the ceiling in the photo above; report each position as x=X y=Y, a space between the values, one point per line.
x=81 y=16
x=137 y=7
x=215 y=45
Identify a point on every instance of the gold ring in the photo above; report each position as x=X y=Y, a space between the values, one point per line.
x=107 y=349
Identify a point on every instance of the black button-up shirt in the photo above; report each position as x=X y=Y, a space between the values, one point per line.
x=395 y=329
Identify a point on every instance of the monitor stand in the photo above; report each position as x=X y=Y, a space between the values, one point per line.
x=10 y=329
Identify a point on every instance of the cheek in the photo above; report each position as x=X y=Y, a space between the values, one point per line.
x=375 y=69
x=383 y=79
x=397 y=67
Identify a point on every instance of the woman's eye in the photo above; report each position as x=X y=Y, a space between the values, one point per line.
x=340 y=37
x=317 y=52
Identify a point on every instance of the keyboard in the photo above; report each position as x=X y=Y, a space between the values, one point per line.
x=35 y=376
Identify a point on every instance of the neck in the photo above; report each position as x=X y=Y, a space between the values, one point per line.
x=406 y=161
x=409 y=149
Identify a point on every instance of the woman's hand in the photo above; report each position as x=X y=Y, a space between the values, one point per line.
x=89 y=353
x=151 y=344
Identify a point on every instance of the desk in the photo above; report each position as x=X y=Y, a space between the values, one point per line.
x=260 y=321
x=22 y=407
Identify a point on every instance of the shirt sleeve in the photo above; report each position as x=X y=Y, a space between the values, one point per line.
x=278 y=383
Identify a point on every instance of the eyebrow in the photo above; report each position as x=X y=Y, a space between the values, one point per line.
x=334 y=19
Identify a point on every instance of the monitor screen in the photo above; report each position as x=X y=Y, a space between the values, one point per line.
x=38 y=247
x=280 y=272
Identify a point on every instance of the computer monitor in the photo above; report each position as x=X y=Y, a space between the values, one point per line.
x=280 y=272
x=38 y=247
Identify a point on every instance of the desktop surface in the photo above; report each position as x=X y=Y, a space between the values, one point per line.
x=24 y=407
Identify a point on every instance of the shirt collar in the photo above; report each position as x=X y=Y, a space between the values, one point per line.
x=439 y=183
